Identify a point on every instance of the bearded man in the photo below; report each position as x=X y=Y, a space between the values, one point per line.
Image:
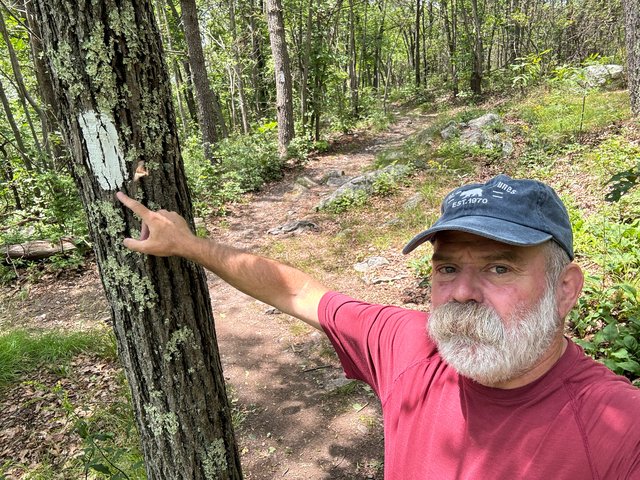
x=486 y=386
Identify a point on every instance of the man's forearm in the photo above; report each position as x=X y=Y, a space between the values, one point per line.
x=286 y=288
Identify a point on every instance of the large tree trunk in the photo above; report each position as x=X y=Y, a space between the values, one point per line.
x=209 y=111
x=284 y=88
x=114 y=100
x=632 y=23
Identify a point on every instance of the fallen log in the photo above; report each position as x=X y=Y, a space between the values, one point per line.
x=36 y=249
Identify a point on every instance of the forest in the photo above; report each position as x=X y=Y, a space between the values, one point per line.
x=238 y=114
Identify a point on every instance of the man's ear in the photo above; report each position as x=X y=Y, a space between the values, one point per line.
x=568 y=288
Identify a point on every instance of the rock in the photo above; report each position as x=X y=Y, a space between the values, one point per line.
x=488 y=120
x=363 y=183
x=601 y=75
x=296 y=225
x=413 y=202
x=306 y=182
x=370 y=264
x=450 y=131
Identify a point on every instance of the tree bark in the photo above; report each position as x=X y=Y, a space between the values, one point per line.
x=632 y=23
x=114 y=100
x=284 y=89
x=209 y=111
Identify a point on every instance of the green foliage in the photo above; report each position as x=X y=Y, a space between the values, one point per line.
x=607 y=322
x=625 y=154
x=245 y=164
x=350 y=199
x=110 y=439
x=554 y=118
x=529 y=70
x=22 y=351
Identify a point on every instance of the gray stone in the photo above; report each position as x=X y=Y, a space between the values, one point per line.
x=363 y=183
x=293 y=226
x=413 y=202
x=370 y=264
x=600 y=75
x=306 y=182
x=450 y=131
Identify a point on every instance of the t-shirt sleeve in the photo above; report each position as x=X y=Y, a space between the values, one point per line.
x=375 y=343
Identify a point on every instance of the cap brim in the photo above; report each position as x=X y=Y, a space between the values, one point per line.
x=488 y=227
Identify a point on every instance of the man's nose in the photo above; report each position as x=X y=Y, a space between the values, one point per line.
x=466 y=288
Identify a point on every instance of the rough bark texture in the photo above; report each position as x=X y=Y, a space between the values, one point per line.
x=114 y=100
x=632 y=23
x=284 y=89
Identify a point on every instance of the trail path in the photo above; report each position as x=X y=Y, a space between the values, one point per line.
x=298 y=417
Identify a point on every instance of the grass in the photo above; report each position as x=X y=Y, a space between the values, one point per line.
x=554 y=117
x=22 y=351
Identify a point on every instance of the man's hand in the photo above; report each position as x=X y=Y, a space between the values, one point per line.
x=163 y=233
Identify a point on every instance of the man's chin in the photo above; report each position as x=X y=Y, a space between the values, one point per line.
x=474 y=360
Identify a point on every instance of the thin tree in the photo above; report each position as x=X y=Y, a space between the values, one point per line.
x=114 y=99
x=284 y=87
x=210 y=117
x=632 y=23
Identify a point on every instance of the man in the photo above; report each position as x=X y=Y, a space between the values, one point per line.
x=490 y=389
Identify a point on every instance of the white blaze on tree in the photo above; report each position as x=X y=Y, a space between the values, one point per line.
x=105 y=158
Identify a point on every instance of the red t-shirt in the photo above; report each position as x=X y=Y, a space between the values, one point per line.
x=579 y=421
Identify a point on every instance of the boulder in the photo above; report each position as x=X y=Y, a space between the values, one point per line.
x=363 y=183
x=601 y=75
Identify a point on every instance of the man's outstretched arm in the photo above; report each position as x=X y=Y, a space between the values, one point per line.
x=288 y=289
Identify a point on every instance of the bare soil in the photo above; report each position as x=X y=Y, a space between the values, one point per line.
x=297 y=416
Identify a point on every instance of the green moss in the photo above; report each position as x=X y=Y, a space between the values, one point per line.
x=98 y=59
x=140 y=290
x=181 y=336
x=64 y=65
x=158 y=420
x=215 y=459
x=101 y=212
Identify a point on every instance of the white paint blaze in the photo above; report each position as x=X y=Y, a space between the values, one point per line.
x=105 y=157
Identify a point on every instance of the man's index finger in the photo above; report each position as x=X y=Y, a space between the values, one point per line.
x=135 y=206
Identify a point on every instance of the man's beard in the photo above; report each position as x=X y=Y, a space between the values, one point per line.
x=474 y=340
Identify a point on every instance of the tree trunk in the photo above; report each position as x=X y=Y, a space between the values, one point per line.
x=632 y=23
x=180 y=44
x=478 y=52
x=23 y=93
x=209 y=111
x=17 y=136
x=237 y=68
x=416 y=51
x=114 y=100
x=284 y=90
x=259 y=65
x=49 y=121
x=353 y=75
x=450 y=32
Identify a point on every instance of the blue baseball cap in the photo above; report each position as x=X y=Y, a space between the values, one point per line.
x=516 y=212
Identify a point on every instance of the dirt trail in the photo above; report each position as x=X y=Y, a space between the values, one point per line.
x=298 y=417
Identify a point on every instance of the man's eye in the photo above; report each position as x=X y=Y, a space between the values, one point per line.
x=446 y=269
x=500 y=269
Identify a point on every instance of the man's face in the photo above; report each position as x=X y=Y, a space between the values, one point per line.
x=493 y=316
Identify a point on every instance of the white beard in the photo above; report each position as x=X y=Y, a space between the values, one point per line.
x=480 y=345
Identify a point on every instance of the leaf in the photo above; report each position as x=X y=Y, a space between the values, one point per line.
x=100 y=467
x=610 y=332
x=630 y=366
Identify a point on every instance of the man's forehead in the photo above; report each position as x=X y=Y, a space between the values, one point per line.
x=452 y=240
